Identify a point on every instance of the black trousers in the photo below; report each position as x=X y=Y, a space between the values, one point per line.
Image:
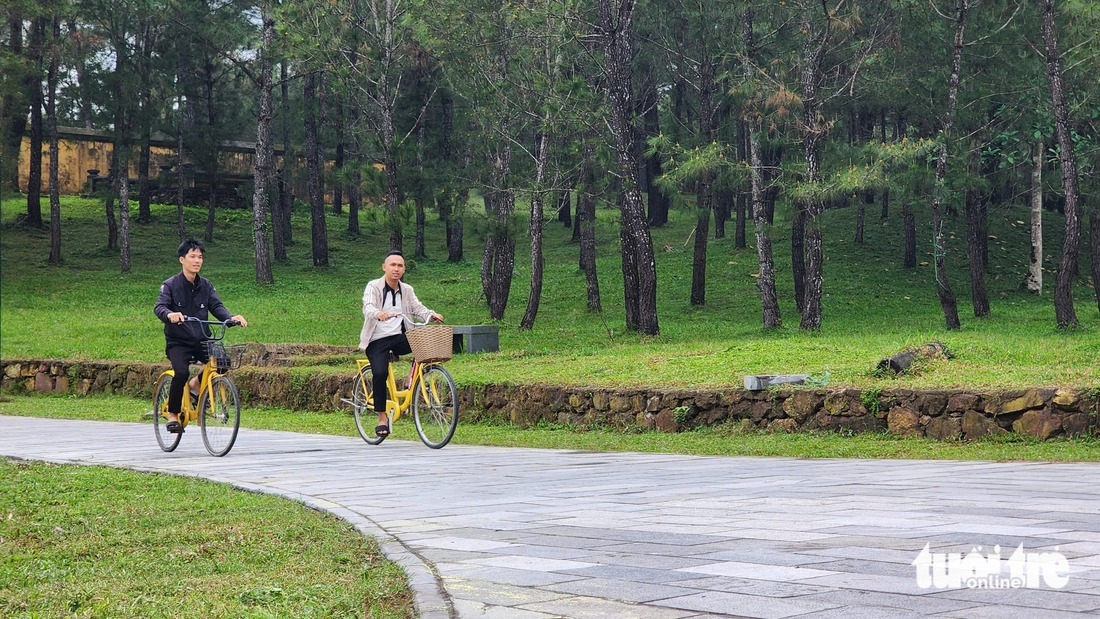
x=181 y=358
x=378 y=353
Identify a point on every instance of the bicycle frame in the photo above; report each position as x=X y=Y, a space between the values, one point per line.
x=400 y=399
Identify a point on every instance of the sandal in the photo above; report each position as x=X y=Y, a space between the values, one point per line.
x=382 y=431
x=174 y=427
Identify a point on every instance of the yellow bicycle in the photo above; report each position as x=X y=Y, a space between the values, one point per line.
x=429 y=389
x=219 y=408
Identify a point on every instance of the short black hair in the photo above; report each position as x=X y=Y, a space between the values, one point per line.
x=393 y=253
x=188 y=245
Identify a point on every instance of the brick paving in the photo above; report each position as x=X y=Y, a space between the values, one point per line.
x=506 y=533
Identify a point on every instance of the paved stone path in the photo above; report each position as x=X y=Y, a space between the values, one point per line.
x=502 y=533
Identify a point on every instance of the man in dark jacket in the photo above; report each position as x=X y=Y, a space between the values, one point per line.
x=184 y=295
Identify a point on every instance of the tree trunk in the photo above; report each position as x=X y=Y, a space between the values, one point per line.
x=280 y=216
x=909 y=226
x=265 y=153
x=354 y=196
x=34 y=178
x=639 y=263
x=1034 y=280
x=565 y=208
x=144 y=188
x=742 y=196
x=314 y=165
x=723 y=206
x=454 y=227
x=885 y=199
x=498 y=260
x=865 y=198
x=51 y=125
x=975 y=234
x=814 y=129
x=1094 y=246
x=541 y=163
x=658 y=202
x=211 y=209
x=419 y=251
x=765 y=281
x=705 y=188
x=124 y=207
x=586 y=222
x=704 y=199
x=13 y=109
x=1063 y=283
x=939 y=243
x=798 y=258
x=109 y=204
x=338 y=162
x=181 y=126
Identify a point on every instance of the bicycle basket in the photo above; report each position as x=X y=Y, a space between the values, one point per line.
x=226 y=359
x=431 y=343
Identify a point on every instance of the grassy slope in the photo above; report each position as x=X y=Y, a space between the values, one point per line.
x=85 y=541
x=873 y=308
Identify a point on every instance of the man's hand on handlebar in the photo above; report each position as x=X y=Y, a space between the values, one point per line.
x=179 y=317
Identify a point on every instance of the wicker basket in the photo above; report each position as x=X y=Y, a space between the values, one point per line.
x=431 y=343
x=225 y=359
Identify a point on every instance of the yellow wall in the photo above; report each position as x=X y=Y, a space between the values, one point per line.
x=80 y=150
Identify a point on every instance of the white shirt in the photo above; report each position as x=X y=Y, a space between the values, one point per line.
x=394 y=304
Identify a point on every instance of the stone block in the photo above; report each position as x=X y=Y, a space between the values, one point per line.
x=1027 y=422
x=783 y=425
x=61 y=385
x=1066 y=398
x=975 y=425
x=12 y=371
x=620 y=404
x=653 y=404
x=43 y=382
x=944 y=429
x=760 y=410
x=1075 y=424
x=665 y=421
x=1030 y=399
x=904 y=421
x=802 y=405
x=600 y=401
x=962 y=402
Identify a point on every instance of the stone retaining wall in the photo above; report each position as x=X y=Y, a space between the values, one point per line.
x=940 y=414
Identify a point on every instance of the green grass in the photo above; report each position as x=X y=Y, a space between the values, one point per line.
x=872 y=307
x=723 y=440
x=79 y=541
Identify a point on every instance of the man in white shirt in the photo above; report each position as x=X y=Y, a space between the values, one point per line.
x=388 y=305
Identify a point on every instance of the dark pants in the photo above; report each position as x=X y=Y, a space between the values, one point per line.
x=378 y=352
x=181 y=358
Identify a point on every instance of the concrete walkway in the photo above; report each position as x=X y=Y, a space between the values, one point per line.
x=535 y=534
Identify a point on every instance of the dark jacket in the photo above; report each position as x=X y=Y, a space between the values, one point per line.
x=179 y=295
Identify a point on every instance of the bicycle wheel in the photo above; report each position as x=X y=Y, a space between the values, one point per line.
x=220 y=416
x=166 y=440
x=362 y=406
x=435 y=407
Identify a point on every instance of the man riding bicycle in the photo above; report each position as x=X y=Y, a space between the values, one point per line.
x=183 y=295
x=384 y=299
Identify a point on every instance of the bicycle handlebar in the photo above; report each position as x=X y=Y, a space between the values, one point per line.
x=224 y=324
